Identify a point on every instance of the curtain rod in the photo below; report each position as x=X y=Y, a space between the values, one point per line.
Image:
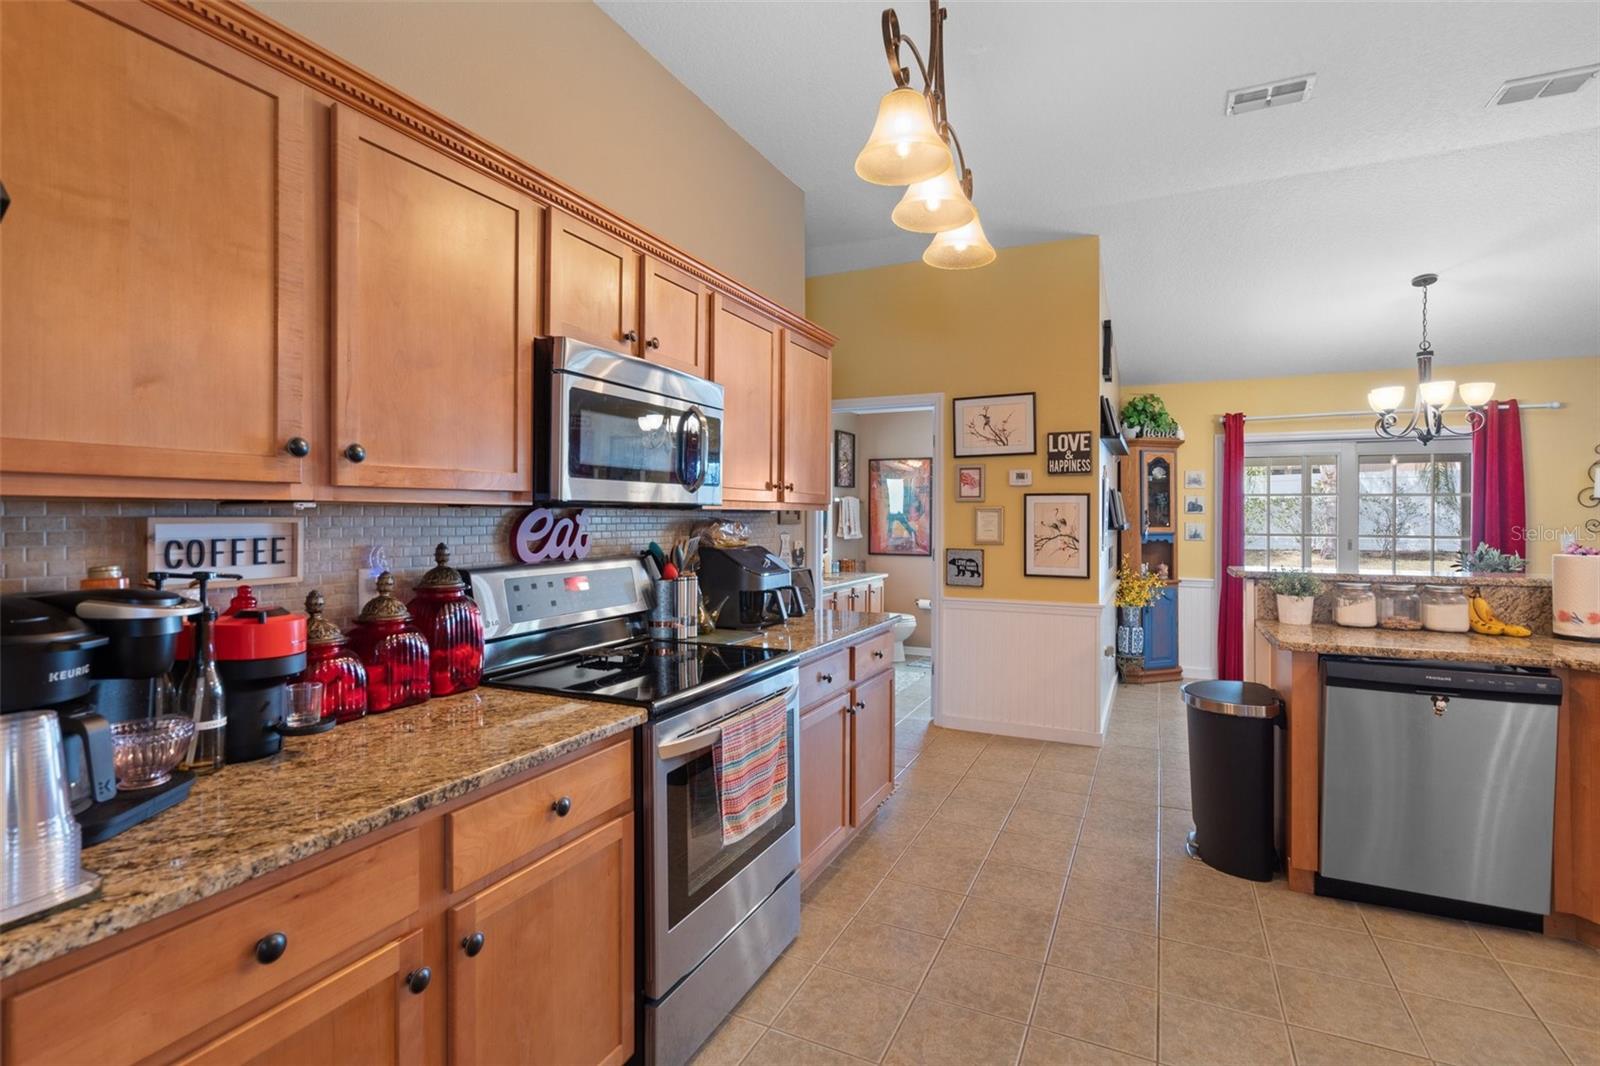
x=1553 y=405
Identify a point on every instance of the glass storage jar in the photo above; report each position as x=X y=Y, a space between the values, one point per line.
x=330 y=661
x=1355 y=604
x=451 y=621
x=395 y=654
x=1444 y=608
x=1399 y=607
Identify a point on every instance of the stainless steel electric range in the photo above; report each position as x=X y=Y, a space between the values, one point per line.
x=715 y=916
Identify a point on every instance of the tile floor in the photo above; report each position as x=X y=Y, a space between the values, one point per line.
x=1017 y=901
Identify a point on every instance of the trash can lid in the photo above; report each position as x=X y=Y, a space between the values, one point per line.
x=1242 y=699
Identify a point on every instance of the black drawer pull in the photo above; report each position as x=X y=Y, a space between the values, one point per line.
x=417 y=980
x=562 y=806
x=877 y=655
x=826 y=679
x=472 y=944
x=270 y=949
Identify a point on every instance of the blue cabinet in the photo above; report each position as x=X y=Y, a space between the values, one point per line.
x=1161 y=631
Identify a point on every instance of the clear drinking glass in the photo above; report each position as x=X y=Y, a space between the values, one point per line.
x=305 y=705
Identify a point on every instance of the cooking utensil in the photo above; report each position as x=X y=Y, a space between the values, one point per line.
x=147 y=750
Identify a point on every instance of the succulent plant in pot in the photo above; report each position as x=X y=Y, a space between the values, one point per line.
x=1487 y=560
x=1297 y=595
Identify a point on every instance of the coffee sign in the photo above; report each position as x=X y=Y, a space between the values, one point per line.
x=265 y=551
x=1068 y=453
x=543 y=537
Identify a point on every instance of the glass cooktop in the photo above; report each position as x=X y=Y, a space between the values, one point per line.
x=643 y=672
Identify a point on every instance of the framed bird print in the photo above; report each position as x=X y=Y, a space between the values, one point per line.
x=994 y=425
x=1057 y=534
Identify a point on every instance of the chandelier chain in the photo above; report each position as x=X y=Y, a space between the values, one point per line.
x=1425 y=346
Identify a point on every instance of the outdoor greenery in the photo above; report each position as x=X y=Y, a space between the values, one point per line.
x=1148 y=412
x=1487 y=560
x=1295 y=583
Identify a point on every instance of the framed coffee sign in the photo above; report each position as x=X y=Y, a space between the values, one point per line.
x=1068 y=452
x=264 y=551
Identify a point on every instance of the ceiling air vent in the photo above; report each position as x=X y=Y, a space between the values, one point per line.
x=1543 y=86
x=1272 y=94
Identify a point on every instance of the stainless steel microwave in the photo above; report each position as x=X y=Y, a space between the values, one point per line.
x=624 y=430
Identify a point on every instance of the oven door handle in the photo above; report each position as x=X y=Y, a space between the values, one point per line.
x=706 y=736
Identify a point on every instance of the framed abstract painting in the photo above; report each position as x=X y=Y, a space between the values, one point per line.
x=900 y=507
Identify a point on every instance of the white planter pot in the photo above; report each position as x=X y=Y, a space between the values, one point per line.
x=1296 y=610
x=1575 y=596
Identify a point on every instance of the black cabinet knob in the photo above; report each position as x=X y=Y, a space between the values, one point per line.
x=355 y=453
x=826 y=679
x=417 y=980
x=298 y=447
x=631 y=336
x=271 y=948
x=877 y=655
x=472 y=944
x=562 y=806
x=653 y=342
x=861 y=706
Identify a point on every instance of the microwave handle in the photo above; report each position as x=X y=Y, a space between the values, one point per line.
x=699 y=479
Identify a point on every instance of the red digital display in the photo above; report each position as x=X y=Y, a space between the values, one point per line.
x=577 y=583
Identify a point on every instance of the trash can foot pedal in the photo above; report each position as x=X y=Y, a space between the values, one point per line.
x=1191 y=846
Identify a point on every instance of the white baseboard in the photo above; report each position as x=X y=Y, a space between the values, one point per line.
x=913 y=652
x=1022 y=730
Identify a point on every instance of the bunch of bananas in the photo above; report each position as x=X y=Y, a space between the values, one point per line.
x=1482 y=618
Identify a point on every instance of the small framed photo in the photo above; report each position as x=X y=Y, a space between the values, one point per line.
x=1194 y=503
x=1056 y=526
x=994 y=425
x=844 y=459
x=989 y=525
x=969 y=484
x=1194 y=531
x=1020 y=479
x=963 y=567
x=1194 y=479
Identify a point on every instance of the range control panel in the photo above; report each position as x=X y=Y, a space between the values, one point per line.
x=524 y=599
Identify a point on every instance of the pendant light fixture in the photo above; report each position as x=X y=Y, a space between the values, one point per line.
x=1426 y=421
x=913 y=144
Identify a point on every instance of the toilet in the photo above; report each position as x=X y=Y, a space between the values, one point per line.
x=904 y=626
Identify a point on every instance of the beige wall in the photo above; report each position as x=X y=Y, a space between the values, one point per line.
x=566 y=89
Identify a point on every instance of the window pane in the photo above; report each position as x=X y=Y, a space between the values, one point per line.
x=1377 y=475
x=1255 y=559
x=1413 y=555
x=1285 y=514
x=1376 y=516
x=1255 y=514
x=1447 y=517
x=1286 y=553
x=1325 y=474
x=1375 y=555
x=1255 y=475
x=1324 y=554
x=1324 y=514
x=1285 y=477
x=1450 y=476
x=1412 y=517
x=1413 y=476
x=1445 y=553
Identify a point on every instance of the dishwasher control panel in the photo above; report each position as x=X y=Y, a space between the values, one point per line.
x=1428 y=677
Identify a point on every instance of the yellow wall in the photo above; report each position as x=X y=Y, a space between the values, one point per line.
x=1029 y=322
x=566 y=89
x=1558 y=446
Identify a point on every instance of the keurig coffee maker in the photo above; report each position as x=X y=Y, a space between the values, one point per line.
x=747 y=588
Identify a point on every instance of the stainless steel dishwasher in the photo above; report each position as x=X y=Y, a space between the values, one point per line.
x=1438 y=786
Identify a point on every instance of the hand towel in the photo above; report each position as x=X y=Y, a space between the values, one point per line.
x=849 y=518
x=752 y=767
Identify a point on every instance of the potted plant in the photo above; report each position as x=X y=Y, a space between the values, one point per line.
x=1136 y=590
x=1487 y=560
x=1297 y=595
x=1146 y=415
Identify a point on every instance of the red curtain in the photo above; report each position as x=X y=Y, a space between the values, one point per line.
x=1499 y=504
x=1230 y=502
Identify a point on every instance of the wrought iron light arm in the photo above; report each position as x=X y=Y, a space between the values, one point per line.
x=932 y=71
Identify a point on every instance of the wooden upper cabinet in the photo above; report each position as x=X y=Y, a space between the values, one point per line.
x=154 y=257
x=807 y=415
x=551 y=980
x=365 y=1012
x=746 y=360
x=591 y=285
x=434 y=286
x=677 y=318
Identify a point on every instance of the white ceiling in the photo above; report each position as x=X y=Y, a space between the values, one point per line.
x=1269 y=243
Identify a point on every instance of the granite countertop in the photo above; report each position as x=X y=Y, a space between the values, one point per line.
x=811 y=632
x=856 y=577
x=320 y=791
x=1542 y=651
x=1533 y=580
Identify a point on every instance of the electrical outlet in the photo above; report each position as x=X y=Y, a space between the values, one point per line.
x=367 y=576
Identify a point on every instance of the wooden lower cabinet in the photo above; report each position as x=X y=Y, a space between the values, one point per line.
x=872 y=746
x=541 y=963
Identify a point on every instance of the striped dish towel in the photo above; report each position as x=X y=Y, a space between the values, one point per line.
x=752 y=767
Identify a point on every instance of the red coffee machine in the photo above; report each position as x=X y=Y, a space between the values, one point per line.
x=330 y=661
x=395 y=654
x=451 y=621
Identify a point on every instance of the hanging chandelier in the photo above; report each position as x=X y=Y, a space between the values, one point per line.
x=913 y=144
x=1426 y=420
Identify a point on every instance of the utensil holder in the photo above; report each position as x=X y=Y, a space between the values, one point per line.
x=675 y=614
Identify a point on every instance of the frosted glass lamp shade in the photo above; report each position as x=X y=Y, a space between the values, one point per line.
x=1477 y=393
x=1386 y=398
x=960 y=249
x=935 y=205
x=1437 y=393
x=904 y=148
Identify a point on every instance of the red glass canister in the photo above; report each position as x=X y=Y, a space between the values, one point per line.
x=330 y=661
x=394 y=653
x=451 y=621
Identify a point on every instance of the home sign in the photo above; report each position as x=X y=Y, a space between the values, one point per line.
x=1068 y=453
x=542 y=536
x=265 y=551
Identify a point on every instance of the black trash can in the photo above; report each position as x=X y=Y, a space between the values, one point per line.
x=1233 y=743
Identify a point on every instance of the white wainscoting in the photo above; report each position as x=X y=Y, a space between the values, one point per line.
x=1197 y=627
x=1108 y=663
x=1023 y=669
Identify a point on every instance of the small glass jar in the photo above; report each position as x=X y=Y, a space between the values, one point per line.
x=104 y=577
x=330 y=661
x=1444 y=608
x=1399 y=607
x=395 y=654
x=451 y=621
x=1355 y=604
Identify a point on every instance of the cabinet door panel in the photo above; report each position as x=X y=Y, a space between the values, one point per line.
x=875 y=597
x=154 y=257
x=745 y=360
x=677 y=318
x=806 y=407
x=1161 y=630
x=593 y=285
x=434 y=316
x=825 y=809
x=363 y=1013
x=872 y=745
x=553 y=983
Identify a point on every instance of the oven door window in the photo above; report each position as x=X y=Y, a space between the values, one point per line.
x=612 y=437
x=697 y=862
